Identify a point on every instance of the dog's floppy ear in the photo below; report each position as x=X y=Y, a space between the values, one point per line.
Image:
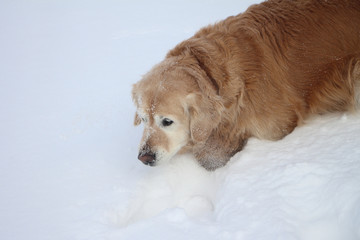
x=137 y=119
x=205 y=115
x=135 y=99
x=205 y=106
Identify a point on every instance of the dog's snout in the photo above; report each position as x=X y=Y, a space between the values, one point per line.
x=148 y=158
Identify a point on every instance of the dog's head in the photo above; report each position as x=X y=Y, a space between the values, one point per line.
x=178 y=106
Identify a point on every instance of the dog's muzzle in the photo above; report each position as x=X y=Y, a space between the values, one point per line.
x=147 y=158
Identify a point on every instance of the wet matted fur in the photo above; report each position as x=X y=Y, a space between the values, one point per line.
x=257 y=74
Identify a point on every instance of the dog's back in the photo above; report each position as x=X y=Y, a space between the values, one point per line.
x=316 y=45
x=291 y=58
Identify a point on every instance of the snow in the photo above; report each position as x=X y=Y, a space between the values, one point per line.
x=68 y=167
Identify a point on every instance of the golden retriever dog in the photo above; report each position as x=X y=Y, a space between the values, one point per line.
x=258 y=74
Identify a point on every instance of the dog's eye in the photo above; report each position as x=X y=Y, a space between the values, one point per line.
x=166 y=122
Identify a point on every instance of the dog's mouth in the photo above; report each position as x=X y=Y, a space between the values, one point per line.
x=151 y=164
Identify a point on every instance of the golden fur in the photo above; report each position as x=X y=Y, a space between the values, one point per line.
x=257 y=74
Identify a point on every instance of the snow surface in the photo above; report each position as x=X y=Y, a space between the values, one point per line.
x=68 y=167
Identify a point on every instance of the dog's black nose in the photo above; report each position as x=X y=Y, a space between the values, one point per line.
x=147 y=158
